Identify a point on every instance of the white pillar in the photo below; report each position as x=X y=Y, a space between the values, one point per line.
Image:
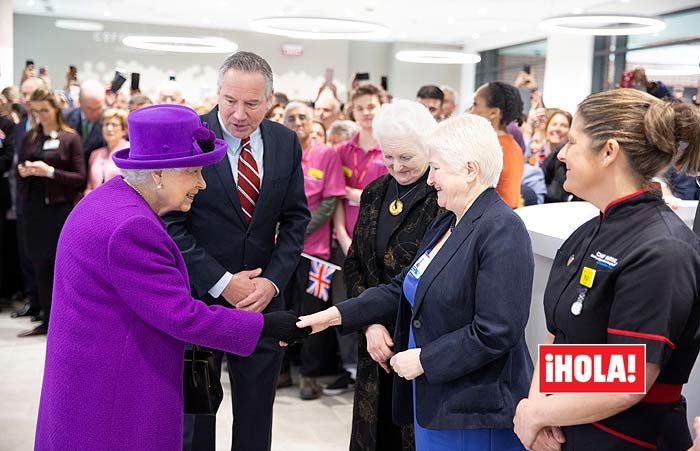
x=466 y=81
x=6 y=44
x=568 y=71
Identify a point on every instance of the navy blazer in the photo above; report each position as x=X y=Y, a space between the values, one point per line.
x=469 y=316
x=214 y=238
x=94 y=139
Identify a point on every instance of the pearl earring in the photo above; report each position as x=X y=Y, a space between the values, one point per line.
x=160 y=185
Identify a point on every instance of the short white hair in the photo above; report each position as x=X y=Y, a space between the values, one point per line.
x=343 y=126
x=446 y=88
x=465 y=138
x=139 y=176
x=92 y=88
x=406 y=120
x=295 y=105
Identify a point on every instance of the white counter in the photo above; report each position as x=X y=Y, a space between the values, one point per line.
x=549 y=225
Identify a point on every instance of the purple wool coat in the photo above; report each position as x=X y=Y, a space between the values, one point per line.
x=121 y=314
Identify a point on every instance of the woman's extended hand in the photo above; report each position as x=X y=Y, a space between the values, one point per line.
x=549 y=439
x=407 y=364
x=379 y=345
x=321 y=321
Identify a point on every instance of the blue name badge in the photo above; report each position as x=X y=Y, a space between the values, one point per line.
x=419 y=267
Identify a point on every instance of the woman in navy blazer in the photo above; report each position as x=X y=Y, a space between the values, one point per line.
x=462 y=304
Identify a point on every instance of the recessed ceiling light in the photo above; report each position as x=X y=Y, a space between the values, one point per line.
x=437 y=57
x=181 y=44
x=31 y=3
x=602 y=25
x=402 y=35
x=206 y=21
x=482 y=11
x=503 y=29
x=577 y=11
x=79 y=25
x=108 y=13
x=327 y=28
x=451 y=20
x=476 y=35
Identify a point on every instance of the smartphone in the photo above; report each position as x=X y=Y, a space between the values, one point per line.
x=135 y=78
x=527 y=69
x=117 y=81
x=43 y=70
x=385 y=82
x=362 y=76
x=329 y=76
x=29 y=63
x=73 y=73
x=171 y=78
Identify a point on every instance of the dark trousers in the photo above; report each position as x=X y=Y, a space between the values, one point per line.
x=43 y=272
x=28 y=283
x=347 y=343
x=319 y=351
x=253 y=382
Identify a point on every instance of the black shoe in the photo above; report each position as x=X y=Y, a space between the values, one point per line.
x=26 y=310
x=309 y=388
x=342 y=384
x=41 y=329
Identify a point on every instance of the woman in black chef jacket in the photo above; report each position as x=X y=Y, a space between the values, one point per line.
x=645 y=264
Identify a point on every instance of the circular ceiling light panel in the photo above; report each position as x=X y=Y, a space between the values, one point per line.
x=675 y=71
x=181 y=44
x=602 y=25
x=319 y=28
x=79 y=25
x=437 y=57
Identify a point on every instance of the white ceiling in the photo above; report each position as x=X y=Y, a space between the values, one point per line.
x=478 y=24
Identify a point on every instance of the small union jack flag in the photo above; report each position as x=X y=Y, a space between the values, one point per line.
x=320 y=276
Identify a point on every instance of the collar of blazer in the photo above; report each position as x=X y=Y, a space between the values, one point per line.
x=459 y=235
x=223 y=168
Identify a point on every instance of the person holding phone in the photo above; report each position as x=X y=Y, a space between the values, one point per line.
x=51 y=180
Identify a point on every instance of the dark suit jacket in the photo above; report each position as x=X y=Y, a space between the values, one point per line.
x=469 y=319
x=362 y=270
x=69 y=176
x=213 y=237
x=7 y=149
x=94 y=139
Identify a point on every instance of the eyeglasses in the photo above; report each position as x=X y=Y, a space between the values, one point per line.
x=112 y=124
x=40 y=111
x=293 y=118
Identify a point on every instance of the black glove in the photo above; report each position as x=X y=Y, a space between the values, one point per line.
x=283 y=326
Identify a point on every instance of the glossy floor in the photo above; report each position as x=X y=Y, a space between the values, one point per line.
x=319 y=425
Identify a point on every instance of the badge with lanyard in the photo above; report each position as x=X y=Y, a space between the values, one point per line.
x=586 y=281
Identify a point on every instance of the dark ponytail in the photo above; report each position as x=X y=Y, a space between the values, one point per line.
x=506 y=98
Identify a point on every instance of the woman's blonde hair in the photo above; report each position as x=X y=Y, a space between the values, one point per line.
x=120 y=114
x=652 y=133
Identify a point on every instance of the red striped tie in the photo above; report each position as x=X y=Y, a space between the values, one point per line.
x=248 y=180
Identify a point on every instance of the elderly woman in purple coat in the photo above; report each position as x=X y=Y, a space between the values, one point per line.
x=122 y=309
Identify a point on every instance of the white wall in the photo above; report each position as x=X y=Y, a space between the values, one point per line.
x=96 y=55
x=568 y=71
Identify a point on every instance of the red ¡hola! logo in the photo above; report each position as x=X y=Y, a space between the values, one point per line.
x=592 y=368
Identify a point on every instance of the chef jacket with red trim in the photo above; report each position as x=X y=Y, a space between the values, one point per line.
x=645 y=290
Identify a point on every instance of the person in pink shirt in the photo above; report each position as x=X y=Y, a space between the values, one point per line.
x=324 y=185
x=100 y=165
x=362 y=162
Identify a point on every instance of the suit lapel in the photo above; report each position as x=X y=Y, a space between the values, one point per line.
x=458 y=237
x=223 y=168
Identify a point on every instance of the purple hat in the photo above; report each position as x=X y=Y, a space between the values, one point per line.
x=166 y=137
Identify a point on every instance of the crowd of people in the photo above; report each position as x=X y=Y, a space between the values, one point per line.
x=257 y=197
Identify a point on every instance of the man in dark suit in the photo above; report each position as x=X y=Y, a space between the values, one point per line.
x=87 y=119
x=243 y=237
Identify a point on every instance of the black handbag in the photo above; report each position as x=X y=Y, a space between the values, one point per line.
x=202 y=382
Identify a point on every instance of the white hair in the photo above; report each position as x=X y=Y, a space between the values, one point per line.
x=446 y=88
x=345 y=127
x=465 y=138
x=406 y=120
x=294 y=105
x=92 y=88
x=328 y=97
x=139 y=176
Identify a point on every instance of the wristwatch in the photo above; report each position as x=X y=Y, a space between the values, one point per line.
x=51 y=172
